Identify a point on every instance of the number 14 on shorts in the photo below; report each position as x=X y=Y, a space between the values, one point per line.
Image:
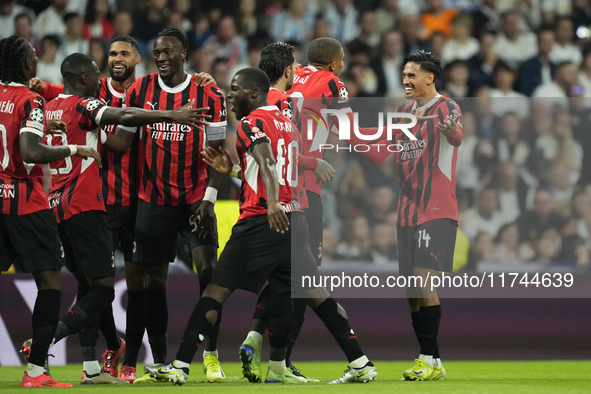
x=423 y=238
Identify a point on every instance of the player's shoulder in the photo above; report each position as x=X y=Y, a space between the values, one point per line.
x=211 y=90
x=20 y=94
x=148 y=78
x=449 y=106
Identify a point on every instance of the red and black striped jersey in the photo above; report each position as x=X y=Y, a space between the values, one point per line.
x=76 y=184
x=314 y=89
x=119 y=171
x=285 y=103
x=266 y=125
x=427 y=167
x=171 y=171
x=21 y=184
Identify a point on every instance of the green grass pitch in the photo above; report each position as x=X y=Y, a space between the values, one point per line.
x=471 y=377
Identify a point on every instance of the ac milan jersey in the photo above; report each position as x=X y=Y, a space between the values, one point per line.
x=427 y=167
x=21 y=184
x=314 y=89
x=266 y=124
x=285 y=104
x=119 y=171
x=171 y=171
x=76 y=184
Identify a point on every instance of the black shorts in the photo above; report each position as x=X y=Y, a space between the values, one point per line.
x=121 y=221
x=428 y=245
x=156 y=231
x=315 y=225
x=88 y=244
x=32 y=240
x=255 y=253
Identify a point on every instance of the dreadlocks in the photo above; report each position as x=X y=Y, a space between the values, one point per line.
x=176 y=33
x=13 y=52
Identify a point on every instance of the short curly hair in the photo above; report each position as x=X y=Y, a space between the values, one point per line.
x=426 y=60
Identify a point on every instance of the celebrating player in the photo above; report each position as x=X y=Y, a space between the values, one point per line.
x=28 y=229
x=427 y=208
x=279 y=63
x=77 y=201
x=119 y=173
x=176 y=193
x=269 y=240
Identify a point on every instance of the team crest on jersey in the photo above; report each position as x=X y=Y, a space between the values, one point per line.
x=287 y=112
x=92 y=105
x=62 y=253
x=113 y=260
x=36 y=115
x=343 y=95
x=320 y=252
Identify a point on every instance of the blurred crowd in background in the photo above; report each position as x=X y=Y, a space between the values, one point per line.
x=524 y=164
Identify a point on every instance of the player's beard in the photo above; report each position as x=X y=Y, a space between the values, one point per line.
x=121 y=77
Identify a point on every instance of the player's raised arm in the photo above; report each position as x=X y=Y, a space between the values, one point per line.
x=138 y=117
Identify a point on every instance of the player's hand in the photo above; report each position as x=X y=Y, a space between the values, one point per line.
x=219 y=161
x=278 y=220
x=419 y=116
x=86 y=152
x=55 y=126
x=324 y=171
x=189 y=116
x=448 y=127
x=204 y=79
x=36 y=84
x=205 y=219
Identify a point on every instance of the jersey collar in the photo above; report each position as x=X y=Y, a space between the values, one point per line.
x=14 y=84
x=269 y=108
x=176 y=89
x=429 y=104
x=61 y=95
x=114 y=91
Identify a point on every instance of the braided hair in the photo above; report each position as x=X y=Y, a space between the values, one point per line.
x=13 y=52
x=176 y=33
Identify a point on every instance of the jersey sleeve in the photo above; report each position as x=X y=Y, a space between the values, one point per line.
x=50 y=91
x=89 y=111
x=216 y=101
x=33 y=116
x=339 y=94
x=251 y=133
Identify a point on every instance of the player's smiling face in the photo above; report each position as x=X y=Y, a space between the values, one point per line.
x=169 y=55
x=122 y=60
x=415 y=80
x=239 y=96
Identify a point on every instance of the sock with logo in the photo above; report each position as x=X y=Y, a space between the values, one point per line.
x=261 y=312
x=156 y=318
x=109 y=329
x=198 y=327
x=135 y=326
x=339 y=328
x=90 y=305
x=299 y=306
x=45 y=320
x=429 y=328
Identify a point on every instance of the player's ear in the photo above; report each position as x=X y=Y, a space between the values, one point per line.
x=138 y=59
x=287 y=71
x=431 y=78
x=255 y=92
x=184 y=55
x=331 y=66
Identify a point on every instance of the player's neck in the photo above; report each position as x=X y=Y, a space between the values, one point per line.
x=280 y=85
x=428 y=96
x=258 y=104
x=122 y=85
x=317 y=66
x=176 y=79
x=73 y=91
